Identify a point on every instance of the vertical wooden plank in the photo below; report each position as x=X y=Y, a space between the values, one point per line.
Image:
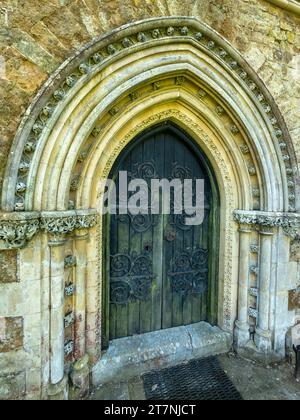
x=168 y=247
x=123 y=248
x=105 y=291
x=178 y=244
x=188 y=238
x=158 y=258
x=134 y=327
x=204 y=296
x=112 y=249
x=197 y=240
x=147 y=237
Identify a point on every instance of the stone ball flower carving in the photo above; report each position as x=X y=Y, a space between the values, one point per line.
x=170 y=31
x=156 y=33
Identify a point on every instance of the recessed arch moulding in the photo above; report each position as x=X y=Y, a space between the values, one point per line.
x=141 y=75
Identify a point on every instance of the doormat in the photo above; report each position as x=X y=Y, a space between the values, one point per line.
x=202 y=379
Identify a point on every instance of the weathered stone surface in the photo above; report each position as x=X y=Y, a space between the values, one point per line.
x=132 y=356
x=11 y=334
x=8 y=266
x=35 y=38
x=295 y=250
x=12 y=387
x=40 y=36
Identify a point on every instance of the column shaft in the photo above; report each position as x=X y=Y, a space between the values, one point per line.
x=80 y=296
x=57 y=256
x=263 y=335
x=242 y=324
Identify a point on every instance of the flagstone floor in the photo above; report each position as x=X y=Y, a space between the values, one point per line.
x=252 y=380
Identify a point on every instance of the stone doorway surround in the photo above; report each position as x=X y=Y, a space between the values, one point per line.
x=170 y=69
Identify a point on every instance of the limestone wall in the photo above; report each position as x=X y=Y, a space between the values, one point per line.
x=36 y=37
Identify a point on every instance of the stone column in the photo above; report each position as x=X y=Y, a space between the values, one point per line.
x=263 y=335
x=57 y=271
x=80 y=371
x=242 y=324
x=81 y=238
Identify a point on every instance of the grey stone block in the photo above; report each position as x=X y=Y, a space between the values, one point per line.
x=132 y=356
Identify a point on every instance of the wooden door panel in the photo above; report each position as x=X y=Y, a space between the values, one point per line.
x=160 y=270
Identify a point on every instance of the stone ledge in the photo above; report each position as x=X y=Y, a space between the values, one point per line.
x=132 y=356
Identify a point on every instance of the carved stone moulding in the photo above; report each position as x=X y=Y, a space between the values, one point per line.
x=82 y=67
x=292 y=6
x=66 y=222
x=289 y=222
x=17 y=229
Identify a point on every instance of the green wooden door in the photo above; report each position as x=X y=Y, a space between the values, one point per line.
x=161 y=273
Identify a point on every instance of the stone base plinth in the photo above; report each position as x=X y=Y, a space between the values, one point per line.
x=80 y=379
x=59 y=391
x=241 y=335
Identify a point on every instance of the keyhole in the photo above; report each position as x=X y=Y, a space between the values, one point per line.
x=148 y=248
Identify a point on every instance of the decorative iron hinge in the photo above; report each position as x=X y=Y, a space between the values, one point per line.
x=294 y=299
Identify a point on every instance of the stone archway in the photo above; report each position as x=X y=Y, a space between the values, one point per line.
x=173 y=69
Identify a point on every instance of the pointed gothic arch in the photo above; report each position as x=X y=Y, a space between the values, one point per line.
x=168 y=69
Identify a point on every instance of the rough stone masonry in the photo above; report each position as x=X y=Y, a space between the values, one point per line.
x=36 y=38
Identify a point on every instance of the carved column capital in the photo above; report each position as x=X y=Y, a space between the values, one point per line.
x=81 y=235
x=289 y=222
x=17 y=229
x=266 y=230
x=55 y=239
x=245 y=228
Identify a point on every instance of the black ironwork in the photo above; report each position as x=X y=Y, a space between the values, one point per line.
x=198 y=380
x=189 y=272
x=140 y=223
x=179 y=221
x=131 y=278
x=145 y=171
x=181 y=172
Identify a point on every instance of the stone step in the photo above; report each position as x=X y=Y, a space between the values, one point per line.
x=132 y=356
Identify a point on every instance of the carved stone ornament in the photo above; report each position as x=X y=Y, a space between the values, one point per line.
x=290 y=223
x=16 y=229
x=60 y=226
x=160 y=30
x=16 y=234
x=70 y=261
